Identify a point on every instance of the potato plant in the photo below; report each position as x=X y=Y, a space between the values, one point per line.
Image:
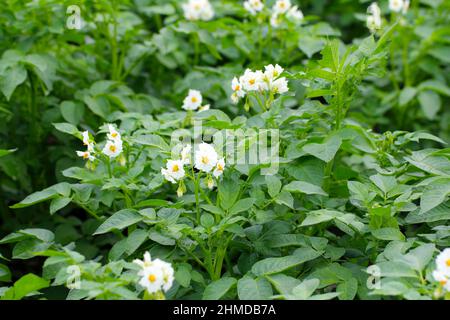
x=195 y=149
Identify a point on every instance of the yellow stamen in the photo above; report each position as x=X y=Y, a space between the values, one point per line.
x=219 y=167
x=112 y=148
x=443 y=282
x=205 y=160
x=194 y=99
x=252 y=81
x=152 y=278
x=85 y=155
x=175 y=168
x=114 y=134
x=447 y=263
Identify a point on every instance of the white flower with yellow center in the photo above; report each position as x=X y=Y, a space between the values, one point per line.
x=295 y=14
x=205 y=157
x=186 y=154
x=167 y=272
x=396 y=5
x=281 y=6
x=252 y=81
x=280 y=86
x=152 y=278
x=374 y=17
x=237 y=88
x=272 y=72
x=443 y=262
x=86 y=155
x=113 y=148
x=193 y=100
x=113 y=133
x=198 y=10
x=174 y=171
x=220 y=166
x=440 y=277
x=253 y=6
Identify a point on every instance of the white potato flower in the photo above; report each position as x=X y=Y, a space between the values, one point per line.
x=174 y=171
x=252 y=80
x=198 y=10
x=280 y=86
x=253 y=6
x=113 y=148
x=186 y=154
x=204 y=108
x=113 y=133
x=156 y=274
x=220 y=166
x=167 y=272
x=396 y=5
x=295 y=14
x=281 y=6
x=234 y=98
x=193 y=100
x=440 y=277
x=374 y=17
x=205 y=157
x=443 y=262
x=87 y=142
x=405 y=6
x=272 y=72
x=275 y=20
x=237 y=88
x=86 y=155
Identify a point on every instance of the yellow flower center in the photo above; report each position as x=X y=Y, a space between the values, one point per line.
x=112 y=148
x=205 y=160
x=237 y=88
x=275 y=74
x=447 y=263
x=85 y=155
x=194 y=99
x=152 y=278
x=175 y=168
x=252 y=81
x=114 y=134
x=282 y=5
x=219 y=167
x=443 y=282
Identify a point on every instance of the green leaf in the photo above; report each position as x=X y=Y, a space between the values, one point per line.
x=305 y=289
x=276 y=265
x=241 y=206
x=207 y=220
x=183 y=274
x=407 y=94
x=59 y=203
x=11 y=78
x=319 y=216
x=72 y=112
x=26 y=285
x=304 y=187
x=119 y=220
x=5 y=273
x=217 y=289
x=228 y=193
x=430 y=103
x=251 y=289
x=66 y=128
x=273 y=185
x=388 y=234
x=324 y=151
x=347 y=290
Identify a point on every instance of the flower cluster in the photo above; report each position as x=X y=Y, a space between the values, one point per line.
x=284 y=9
x=399 y=6
x=156 y=274
x=253 y=6
x=259 y=81
x=113 y=146
x=206 y=160
x=198 y=10
x=89 y=153
x=442 y=272
x=373 y=17
x=193 y=101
